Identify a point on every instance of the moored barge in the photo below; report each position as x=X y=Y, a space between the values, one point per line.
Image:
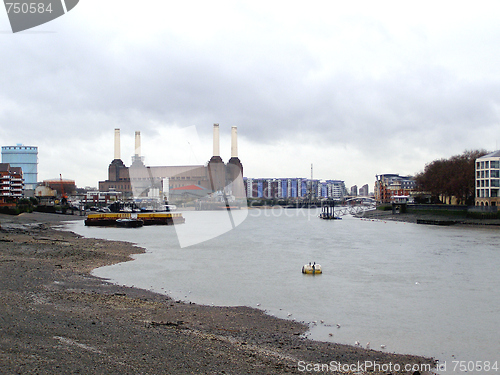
x=161 y=218
x=105 y=220
x=116 y=219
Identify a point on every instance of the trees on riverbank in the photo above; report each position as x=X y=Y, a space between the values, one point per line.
x=453 y=177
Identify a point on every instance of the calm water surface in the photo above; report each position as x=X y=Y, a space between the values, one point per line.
x=417 y=289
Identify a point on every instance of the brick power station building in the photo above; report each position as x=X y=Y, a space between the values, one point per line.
x=139 y=180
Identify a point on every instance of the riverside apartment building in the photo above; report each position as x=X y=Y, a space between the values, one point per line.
x=488 y=179
x=11 y=184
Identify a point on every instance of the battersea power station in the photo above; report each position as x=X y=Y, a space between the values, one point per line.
x=140 y=180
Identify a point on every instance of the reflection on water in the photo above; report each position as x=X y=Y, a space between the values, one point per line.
x=413 y=288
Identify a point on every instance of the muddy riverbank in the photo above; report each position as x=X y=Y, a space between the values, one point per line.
x=55 y=318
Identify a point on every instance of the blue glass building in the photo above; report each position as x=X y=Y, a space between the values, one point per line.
x=25 y=157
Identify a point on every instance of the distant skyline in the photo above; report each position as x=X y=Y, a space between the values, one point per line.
x=357 y=89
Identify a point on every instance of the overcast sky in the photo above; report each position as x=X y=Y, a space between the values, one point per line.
x=356 y=89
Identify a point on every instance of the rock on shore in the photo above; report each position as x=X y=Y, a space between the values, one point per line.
x=55 y=318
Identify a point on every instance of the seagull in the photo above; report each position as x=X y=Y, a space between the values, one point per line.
x=258 y=304
x=368 y=345
x=338 y=325
x=382 y=346
x=289 y=314
x=356 y=343
x=330 y=334
x=322 y=321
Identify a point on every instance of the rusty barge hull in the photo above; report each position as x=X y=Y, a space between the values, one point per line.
x=110 y=220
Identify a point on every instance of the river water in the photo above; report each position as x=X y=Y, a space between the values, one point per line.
x=417 y=289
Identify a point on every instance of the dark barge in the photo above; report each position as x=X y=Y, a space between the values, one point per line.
x=126 y=219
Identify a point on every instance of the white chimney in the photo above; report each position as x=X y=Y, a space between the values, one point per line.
x=117 y=143
x=216 y=140
x=234 y=142
x=138 y=143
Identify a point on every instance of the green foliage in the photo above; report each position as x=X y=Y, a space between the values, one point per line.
x=9 y=210
x=49 y=209
x=24 y=205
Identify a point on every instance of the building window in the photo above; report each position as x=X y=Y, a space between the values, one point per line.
x=486 y=164
x=494 y=193
x=482 y=165
x=487 y=183
x=482 y=173
x=495 y=183
x=494 y=174
x=486 y=174
x=495 y=164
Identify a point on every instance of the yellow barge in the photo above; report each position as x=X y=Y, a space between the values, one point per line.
x=154 y=218
x=161 y=218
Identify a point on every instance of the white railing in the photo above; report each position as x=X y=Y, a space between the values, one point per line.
x=353 y=210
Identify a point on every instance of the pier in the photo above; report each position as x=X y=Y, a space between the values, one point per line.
x=328 y=210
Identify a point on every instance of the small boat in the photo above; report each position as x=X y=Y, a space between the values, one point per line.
x=311 y=269
x=129 y=223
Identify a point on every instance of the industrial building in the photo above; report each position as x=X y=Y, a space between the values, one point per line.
x=25 y=157
x=11 y=184
x=286 y=188
x=139 y=180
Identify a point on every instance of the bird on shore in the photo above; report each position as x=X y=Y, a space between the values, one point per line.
x=330 y=334
x=356 y=343
x=382 y=346
x=368 y=345
x=338 y=325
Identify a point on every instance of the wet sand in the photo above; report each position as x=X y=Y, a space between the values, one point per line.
x=55 y=318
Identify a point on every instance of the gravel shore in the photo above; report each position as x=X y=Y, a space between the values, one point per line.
x=55 y=318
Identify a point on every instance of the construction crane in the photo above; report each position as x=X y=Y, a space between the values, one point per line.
x=63 y=194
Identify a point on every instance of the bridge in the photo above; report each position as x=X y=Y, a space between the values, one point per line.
x=354 y=206
x=360 y=200
x=354 y=210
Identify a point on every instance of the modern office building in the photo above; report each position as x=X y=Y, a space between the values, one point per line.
x=488 y=180
x=364 y=190
x=25 y=157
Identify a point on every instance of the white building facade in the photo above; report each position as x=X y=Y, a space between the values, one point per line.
x=488 y=180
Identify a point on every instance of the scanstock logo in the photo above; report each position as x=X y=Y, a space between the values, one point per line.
x=25 y=15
